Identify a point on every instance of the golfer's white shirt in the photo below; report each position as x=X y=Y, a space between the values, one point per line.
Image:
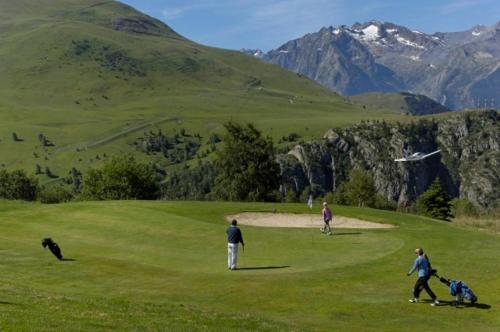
x=232 y=255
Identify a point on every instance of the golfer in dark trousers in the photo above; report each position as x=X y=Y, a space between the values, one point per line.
x=234 y=237
x=423 y=266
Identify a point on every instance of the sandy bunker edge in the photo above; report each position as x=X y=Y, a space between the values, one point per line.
x=291 y=220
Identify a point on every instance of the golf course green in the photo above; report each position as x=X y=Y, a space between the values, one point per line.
x=162 y=266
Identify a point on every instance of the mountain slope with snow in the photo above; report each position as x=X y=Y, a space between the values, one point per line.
x=458 y=69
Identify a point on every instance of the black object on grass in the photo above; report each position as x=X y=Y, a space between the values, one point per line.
x=53 y=247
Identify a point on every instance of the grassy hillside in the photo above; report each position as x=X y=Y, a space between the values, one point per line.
x=148 y=266
x=403 y=102
x=94 y=75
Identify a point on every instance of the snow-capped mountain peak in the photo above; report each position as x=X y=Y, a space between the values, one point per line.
x=370 y=33
x=382 y=56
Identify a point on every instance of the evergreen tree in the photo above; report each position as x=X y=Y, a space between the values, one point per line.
x=435 y=202
x=76 y=180
x=246 y=165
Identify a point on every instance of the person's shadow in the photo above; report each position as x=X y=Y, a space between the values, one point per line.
x=264 y=267
x=482 y=306
x=478 y=305
x=67 y=260
x=347 y=233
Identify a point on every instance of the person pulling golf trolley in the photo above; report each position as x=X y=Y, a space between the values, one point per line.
x=425 y=271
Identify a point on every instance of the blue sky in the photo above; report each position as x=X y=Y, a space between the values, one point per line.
x=267 y=24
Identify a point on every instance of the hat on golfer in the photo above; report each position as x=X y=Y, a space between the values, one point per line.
x=325 y=203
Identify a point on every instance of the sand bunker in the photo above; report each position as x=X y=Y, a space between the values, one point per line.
x=264 y=219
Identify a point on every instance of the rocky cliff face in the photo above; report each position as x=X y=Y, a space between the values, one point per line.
x=468 y=165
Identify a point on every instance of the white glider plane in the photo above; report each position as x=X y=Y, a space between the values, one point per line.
x=417 y=156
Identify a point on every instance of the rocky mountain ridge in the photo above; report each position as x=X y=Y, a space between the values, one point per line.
x=467 y=166
x=458 y=69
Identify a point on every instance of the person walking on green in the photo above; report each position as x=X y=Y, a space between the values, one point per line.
x=327 y=217
x=234 y=237
x=423 y=265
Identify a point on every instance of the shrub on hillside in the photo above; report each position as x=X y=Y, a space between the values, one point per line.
x=54 y=195
x=191 y=184
x=313 y=190
x=434 y=202
x=291 y=196
x=382 y=203
x=75 y=180
x=120 y=178
x=464 y=208
x=305 y=194
x=359 y=190
x=16 y=138
x=293 y=137
x=49 y=173
x=329 y=198
x=17 y=185
x=214 y=139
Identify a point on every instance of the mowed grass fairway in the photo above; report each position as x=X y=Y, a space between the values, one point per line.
x=148 y=266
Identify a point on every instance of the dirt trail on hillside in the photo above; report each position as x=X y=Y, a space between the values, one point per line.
x=110 y=138
x=266 y=219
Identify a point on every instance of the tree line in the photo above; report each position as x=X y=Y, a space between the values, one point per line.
x=245 y=169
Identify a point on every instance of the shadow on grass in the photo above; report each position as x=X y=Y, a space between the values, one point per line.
x=443 y=303
x=7 y=303
x=347 y=233
x=67 y=260
x=478 y=305
x=264 y=267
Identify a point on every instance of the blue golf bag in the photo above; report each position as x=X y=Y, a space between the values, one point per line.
x=459 y=289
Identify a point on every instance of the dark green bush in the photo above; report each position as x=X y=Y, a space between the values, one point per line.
x=359 y=190
x=329 y=198
x=120 y=178
x=17 y=185
x=291 y=196
x=190 y=184
x=54 y=195
x=382 y=203
x=464 y=208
